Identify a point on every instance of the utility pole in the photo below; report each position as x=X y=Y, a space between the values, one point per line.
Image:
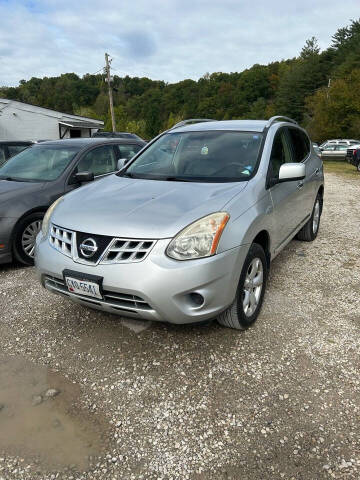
x=328 y=89
x=108 y=77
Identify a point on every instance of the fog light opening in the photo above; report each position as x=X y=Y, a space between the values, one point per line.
x=196 y=299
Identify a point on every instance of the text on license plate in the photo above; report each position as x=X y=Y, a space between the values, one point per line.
x=83 y=287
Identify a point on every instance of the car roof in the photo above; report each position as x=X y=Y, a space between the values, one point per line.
x=236 y=125
x=83 y=142
x=341 y=140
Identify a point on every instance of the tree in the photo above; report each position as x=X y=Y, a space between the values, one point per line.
x=335 y=112
x=310 y=49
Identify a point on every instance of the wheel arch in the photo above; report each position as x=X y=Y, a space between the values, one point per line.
x=321 y=193
x=41 y=209
x=263 y=239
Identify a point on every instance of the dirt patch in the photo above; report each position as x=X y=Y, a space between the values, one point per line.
x=40 y=420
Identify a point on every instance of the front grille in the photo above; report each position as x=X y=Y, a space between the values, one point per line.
x=110 y=250
x=115 y=300
x=124 y=250
x=61 y=239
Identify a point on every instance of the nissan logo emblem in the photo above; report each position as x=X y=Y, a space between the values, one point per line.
x=88 y=247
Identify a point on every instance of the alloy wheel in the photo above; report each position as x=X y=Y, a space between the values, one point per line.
x=316 y=217
x=29 y=236
x=253 y=286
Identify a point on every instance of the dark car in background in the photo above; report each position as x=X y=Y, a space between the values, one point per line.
x=10 y=148
x=33 y=179
x=115 y=135
x=353 y=156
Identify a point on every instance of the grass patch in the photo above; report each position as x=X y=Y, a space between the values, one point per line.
x=341 y=168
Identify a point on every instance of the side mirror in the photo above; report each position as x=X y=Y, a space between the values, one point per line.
x=83 y=177
x=122 y=162
x=291 y=171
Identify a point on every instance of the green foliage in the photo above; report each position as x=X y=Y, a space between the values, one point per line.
x=296 y=87
x=335 y=111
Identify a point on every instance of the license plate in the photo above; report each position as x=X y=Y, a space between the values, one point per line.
x=83 y=287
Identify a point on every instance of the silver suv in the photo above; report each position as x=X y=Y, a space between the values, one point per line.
x=186 y=230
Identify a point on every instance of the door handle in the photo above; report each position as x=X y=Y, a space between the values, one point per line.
x=300 y=185
x=317 y=171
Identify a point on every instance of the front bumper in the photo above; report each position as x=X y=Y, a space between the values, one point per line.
x=158 y=288
x=7 y=225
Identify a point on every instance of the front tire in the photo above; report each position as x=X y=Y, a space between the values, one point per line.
x=246 y=307
x=309 y=231
x=24 y=238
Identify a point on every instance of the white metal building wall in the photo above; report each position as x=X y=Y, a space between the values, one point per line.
x=20 y=121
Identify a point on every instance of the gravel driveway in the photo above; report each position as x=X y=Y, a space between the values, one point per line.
x=133 y=400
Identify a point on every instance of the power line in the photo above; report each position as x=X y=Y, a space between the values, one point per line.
x=101 y=70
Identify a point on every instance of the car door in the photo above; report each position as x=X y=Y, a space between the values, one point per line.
x=100 y=161
x=286 y=196
x=300 y=143
x=340 y=152
x=328 y=153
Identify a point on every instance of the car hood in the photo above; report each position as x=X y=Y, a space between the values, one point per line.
x=11 y=190
x=136 y=208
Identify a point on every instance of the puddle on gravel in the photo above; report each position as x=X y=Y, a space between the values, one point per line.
x=39 y=420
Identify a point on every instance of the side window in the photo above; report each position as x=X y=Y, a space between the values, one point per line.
x=99 y=161
x=280 y=153
x=15 y=149
x=341 y=147
x=300 y=144
x=2 y=155
x=128 y=151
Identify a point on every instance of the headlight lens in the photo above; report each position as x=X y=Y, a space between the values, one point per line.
x=46 y=219
x=200 y=239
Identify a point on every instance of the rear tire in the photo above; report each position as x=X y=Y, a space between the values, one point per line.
x=24 y=238
x=309 y=231
x=358 y=167
x=246 y=307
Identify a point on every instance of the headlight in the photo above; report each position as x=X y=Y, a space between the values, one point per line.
x=200 y=239
x=46 y=219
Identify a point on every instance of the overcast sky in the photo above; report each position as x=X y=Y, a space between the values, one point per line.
x=161 y=39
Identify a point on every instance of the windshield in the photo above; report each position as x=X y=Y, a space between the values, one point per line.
x=212 y=156
x=39 y=163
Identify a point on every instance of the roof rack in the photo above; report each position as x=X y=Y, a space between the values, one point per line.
x=280 y=118
x=192 y=120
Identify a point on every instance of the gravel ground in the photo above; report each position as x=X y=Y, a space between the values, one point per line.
x=281 y=400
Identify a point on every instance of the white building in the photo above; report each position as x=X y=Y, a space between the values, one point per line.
x=21 y=121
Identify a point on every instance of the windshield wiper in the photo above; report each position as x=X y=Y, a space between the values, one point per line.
x=10 y=179
x=155 y=177
x=176 y=179
x=127 y=174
